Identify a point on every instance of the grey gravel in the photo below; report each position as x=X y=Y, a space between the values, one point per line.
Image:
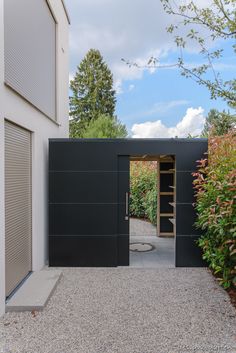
x=121 y=310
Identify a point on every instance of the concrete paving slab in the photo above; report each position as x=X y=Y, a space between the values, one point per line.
x=141 y=227
x=34 y=292
x=163 y=255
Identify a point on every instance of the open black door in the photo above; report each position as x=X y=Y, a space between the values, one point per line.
x=123 y=211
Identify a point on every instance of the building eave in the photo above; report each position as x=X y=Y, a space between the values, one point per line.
x=66 y=12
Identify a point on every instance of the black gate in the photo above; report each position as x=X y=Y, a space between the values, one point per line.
x=88 y=199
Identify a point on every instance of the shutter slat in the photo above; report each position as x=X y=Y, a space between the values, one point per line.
x=30 y=53
x=18 y=217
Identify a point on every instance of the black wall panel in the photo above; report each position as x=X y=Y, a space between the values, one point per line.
x=83 y=251
x=187 y=253
x=189 y=153
x=184 y=187
x=82 y=219
x=87 y=196
x=70 y=187
x=123 y=253
x=185 y=219
x=77 y=155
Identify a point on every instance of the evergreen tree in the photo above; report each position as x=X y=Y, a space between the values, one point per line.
x=218 y=123
x=92 y=92
x=105 y=127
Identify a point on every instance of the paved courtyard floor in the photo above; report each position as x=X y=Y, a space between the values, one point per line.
x=163 y=254
x=127 y=310
x=141 y=227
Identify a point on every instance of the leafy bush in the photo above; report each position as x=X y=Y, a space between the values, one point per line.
x=143 y=193
x=104 y=126
x=150 y=205
x=215 y=184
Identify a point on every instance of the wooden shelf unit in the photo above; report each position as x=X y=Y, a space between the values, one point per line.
x=166 y=171
x=166 y=198
x=166 y=193
x=167 y=235
x=166 y=214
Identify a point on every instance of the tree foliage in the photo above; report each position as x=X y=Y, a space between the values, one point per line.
x=92 y=92
x=104 y=127
x=215 y=184
x=219 y=19
x=143 y=190
x=218 y=123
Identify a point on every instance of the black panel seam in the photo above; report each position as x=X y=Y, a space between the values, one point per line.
x=83 y=203
x=89 y=171
x=83 y=235
x=188 y=235
x=185 y=171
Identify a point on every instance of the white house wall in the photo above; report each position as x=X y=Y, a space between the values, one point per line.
x=17 y=110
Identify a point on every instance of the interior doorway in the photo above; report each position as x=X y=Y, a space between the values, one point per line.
x=152 y=211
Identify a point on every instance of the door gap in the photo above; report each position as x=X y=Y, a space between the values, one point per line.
x=150 y=245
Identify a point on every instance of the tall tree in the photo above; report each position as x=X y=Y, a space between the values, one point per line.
x=218 y=123
x=105 y=127
x=92 y=92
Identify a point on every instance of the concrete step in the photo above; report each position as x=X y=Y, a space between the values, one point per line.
x=34 y=292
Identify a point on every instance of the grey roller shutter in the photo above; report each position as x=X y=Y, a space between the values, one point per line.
x=30 y=52
x=17 y=204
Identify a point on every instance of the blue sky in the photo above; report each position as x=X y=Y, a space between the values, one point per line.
x=151 y=104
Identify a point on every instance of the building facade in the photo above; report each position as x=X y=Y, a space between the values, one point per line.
x=33 y=108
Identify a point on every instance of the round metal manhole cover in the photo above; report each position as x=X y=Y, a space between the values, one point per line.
x=141 y=247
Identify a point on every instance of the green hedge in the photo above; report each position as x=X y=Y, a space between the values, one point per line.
x=143 y=190
x=215 y=184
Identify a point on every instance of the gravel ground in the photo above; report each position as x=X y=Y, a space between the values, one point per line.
x=141 y=227
x=127 y=311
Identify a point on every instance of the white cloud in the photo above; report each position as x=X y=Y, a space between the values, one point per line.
x=159 y=108
x=134 y=30
x=71 y=76
x=131 y=87
x=163 y=107
x=118 y=86
x=192 y=123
